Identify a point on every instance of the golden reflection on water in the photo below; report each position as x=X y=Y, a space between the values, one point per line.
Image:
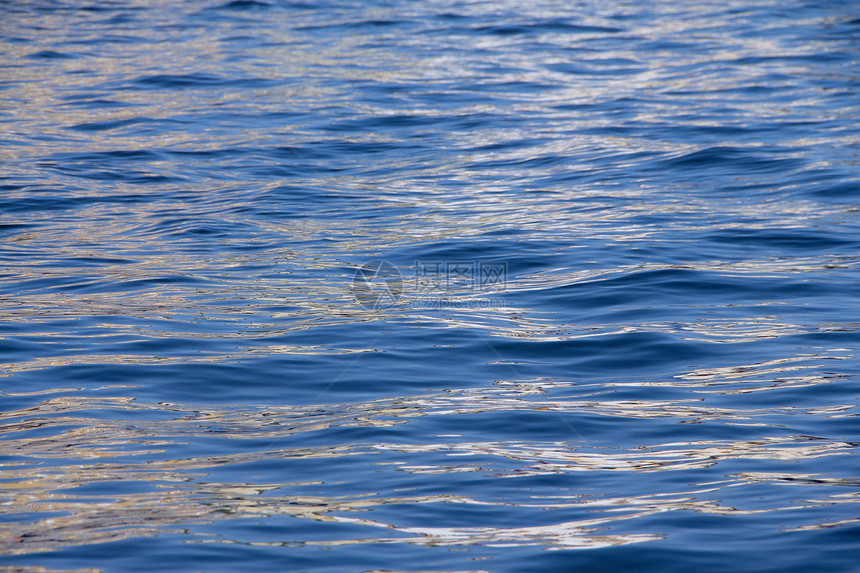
x=71 y=451
x=119 y=440
x=556 y=458
x=38 y=569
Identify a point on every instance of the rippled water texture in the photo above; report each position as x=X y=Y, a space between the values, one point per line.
x=438 y=286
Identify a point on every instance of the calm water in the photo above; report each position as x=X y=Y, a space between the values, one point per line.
x=439 y=286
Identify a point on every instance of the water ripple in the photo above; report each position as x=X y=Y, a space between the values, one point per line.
x=384 y=285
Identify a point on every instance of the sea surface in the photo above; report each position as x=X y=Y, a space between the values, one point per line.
x=431 y=285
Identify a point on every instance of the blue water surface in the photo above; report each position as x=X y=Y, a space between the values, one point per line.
x=472 y=285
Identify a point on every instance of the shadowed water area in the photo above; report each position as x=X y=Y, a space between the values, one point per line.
x=429 y=286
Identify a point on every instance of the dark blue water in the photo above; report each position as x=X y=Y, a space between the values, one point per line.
x=430 y=286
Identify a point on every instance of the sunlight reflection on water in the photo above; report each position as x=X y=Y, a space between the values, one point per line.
x=193 y=353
